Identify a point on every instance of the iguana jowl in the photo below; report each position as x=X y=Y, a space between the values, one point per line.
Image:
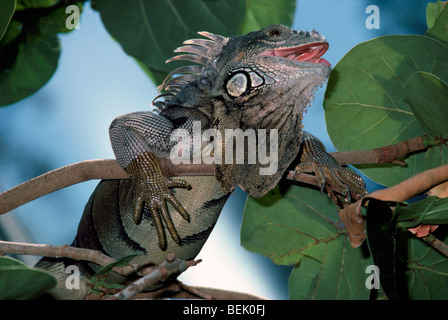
x=262 y=80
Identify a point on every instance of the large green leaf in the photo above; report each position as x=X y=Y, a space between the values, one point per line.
x=427 y=95
x=8 y=7
x=36 y=61
x=58 y=20
x=433 y=9
x=439 y=27
x=339 y=272
x=299 y=226
x=152 y=29
x=432 y=210
x=31 y=4
x=427 y=270
x=18 y=281
x=365 y=105
x=261 y=13
x=30 y=48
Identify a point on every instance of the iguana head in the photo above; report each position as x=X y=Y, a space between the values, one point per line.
x=268 y=74
x=262 y=80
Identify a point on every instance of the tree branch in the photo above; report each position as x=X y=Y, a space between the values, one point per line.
x=387 y=154
x=109 y=169
x=64 y=251
x=83 y=171
x=171 y=266
x=437 y=244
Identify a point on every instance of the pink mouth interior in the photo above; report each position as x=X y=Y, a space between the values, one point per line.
x=308 y=53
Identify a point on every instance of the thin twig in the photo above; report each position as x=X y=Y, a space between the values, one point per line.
x=64 y=251
x=437 y=244
x=169 y=267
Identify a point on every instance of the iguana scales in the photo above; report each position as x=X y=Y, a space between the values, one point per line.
x=262 y=80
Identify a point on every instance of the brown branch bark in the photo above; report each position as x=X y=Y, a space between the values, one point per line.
x=63 y=251
x=83 y=171
x=169 y=267
x=387 y=154
x=109 y=169
x=437 y=244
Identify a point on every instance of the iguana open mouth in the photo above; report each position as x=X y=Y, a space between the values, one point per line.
x=310 y=52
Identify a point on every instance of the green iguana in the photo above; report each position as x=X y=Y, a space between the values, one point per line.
x=263 y=80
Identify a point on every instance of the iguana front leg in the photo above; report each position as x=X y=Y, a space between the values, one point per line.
x=137 y=140
x=313 y=156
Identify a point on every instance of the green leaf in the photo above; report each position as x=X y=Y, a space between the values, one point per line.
x=8 y=8
x=120 y=262
x=365 y=106
x=99 y=279
x=300 y=226
x=36 y=61
x=427 y=269
x=427 y=95
x=31 y=4
x=338 y=273
x=152 y=29
x=431 y=210
x=18 y=281
x=432 y=11
x=55 y=21
x=439 y=29
x=261 y=13
x=32 y=58
x=14 y=30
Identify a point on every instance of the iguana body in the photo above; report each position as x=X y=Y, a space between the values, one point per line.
x=262 y=80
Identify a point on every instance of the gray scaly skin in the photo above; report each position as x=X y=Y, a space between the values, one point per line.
x=262 y=80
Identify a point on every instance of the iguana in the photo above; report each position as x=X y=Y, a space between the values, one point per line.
x=262 y=80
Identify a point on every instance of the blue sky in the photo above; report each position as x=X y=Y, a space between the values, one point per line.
x=67 y=121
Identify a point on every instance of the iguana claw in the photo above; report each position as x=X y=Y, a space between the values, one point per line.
x=327 y=169
x=156 y=195
x=151 y=188
x=342 y=180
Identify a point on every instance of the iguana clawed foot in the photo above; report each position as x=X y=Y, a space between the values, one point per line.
x=327 y=169
x=342 y=180
x=156 y=196
x=151 y=188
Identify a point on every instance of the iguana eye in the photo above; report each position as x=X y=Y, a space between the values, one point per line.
x=275 y=33
x=237 y=84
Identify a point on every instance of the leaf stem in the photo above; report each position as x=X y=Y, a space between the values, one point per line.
x=437 y=244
